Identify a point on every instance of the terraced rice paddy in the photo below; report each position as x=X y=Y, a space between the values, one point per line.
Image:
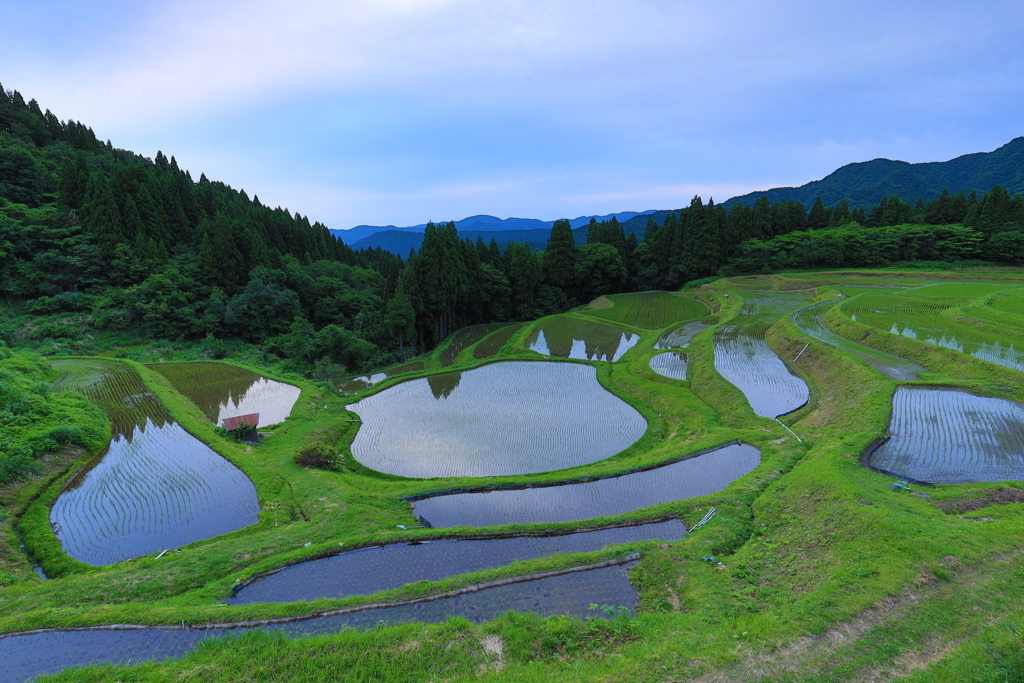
x=367 y=381
x=922 y=319
x=155 y=487
x=1008 y=302
x=698 y=476
x=221 y=390
x=743 y=357
x=672 y=364
x=512 y=417
x=565 y=337
x=490 y=346
x=679 y=337
x=958 y=290
x=942 y=436
x=366 y=571
x=35 y=654
x=465 y=338
x=650 y=310
x=808 y=321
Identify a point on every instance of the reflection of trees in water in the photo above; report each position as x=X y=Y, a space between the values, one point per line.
x=117 y=391
x=209 y=385
x=442 y=386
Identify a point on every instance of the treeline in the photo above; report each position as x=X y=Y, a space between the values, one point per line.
x=110 y=241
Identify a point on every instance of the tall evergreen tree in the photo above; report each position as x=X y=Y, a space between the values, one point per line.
x=560 y=258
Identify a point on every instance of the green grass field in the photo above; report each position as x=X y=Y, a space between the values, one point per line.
x=822 y=571
x=650 y=310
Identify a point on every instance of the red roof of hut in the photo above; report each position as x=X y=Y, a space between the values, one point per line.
x=233 y=423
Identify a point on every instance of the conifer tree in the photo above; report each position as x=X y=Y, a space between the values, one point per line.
x=560 y=258
x=102 y=217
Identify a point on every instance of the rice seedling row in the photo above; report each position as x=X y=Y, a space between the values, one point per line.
x=921 y=319
x=943 y=436
x=31 y=655
x=368 y=570
x=221 y=391
x=465 y=338
x=155 y=487
x=565 y=337
x=671 y=364
x=808 y=321
x=490 y=346
x=958 y=290
x=366 y=381
x=679 y=337
x=743 y=357
x=513 y=417
x=650 y=310
x=697 y=476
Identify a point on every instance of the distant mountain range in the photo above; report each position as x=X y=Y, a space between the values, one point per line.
x=863 y=184
x=530 y=230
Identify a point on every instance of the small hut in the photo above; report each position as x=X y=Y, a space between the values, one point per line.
x=243 y=427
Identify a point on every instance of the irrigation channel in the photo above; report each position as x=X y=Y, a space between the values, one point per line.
x=574 y=501
x=511 y=417
x=945 y=436
x=743 y=357
x=808 y=321
x=566 y=337
x=155 y=486
x=221 y=390
x=572 y=593
x=368 y=570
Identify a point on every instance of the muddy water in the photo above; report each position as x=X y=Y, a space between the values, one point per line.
x=366 y=571
x=697 y=476
x=743 y=357
x=511 y=417
x=155 y=487
x=942 y=436
x=221 y=390
x=670 y=364
x=24 y=657
x=808 y=321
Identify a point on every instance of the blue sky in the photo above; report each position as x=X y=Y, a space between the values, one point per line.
x=400 y=111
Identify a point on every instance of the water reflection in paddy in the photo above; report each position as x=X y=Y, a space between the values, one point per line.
x=221 y=390
x=743 y=357
x=512 y=417
x=697 y=476
x=24 y=657
x=942 y=436
x=808 y=321
x=366 y=381
x=566 y=337
x=366 y=571
x=671 y=364
x=155 y=487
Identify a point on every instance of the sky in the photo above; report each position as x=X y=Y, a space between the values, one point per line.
x=402 y=111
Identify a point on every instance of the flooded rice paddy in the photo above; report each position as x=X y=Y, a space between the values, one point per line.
x=490 y=346
x=672 y=364
x=808 y=321
x=367 y=381
x=512 y=417
x=465 y=338
x=27 y=656
x=155 y=487
x=922 y=319
x=679 y=337
x=697 y=476
x=743 y=357
x=368 y=570
x=221 y=390
x=943 y=436
x=650 y=310
x=565 y=337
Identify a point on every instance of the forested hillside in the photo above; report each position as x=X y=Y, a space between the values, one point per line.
x=99 y=242
x=862 y=184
